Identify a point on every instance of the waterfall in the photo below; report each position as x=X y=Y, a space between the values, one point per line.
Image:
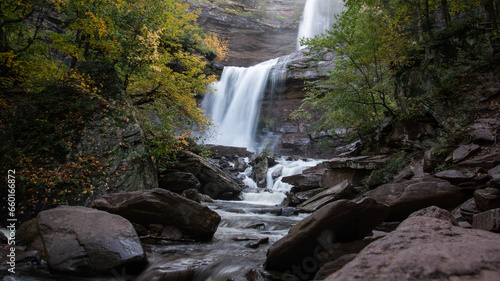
x=234 y=106
x=318 y=16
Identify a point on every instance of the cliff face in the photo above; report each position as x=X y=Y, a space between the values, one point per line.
x=257 y=30
x=296 y=136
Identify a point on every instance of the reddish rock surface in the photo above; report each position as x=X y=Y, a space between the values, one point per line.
x=425 y=248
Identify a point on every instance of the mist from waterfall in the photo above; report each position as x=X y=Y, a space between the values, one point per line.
x=318 y=16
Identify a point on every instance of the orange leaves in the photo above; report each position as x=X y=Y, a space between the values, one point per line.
x=63 y=182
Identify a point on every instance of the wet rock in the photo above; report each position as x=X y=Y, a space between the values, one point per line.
x=291 y=200
x=465 y=151
x=159 y=206
x=304 y=181
x=406 y=174
x=188 y=162
x=258 y=225
x=425 y=248
x=485 y=130
x=141 y=230
x=170 y=232
x=191 y=194
x=260 y=172
x=167 y=272
x=487 y=199
x=333 y=266
x=230 y=151
x=468 y=209
x=3 y=238
x=215 y=183
x=349 y=150
x=255 y=245
x=178 y=182
x=27 y=232
x=288 y=211
x=487 y=161
x=240 y=164
x=254 y=275
x=82 y=241
x=340 y=221
x=342 y=190
x=407 y=197
x=360 y=162
x=489 y=220
x=353 y=169
x=305 y=195
x=494 y=175
x=435 y=212
x=24 y=260
x=456 y=176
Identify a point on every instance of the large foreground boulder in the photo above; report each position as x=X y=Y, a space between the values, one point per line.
x=407 y=197
x=159 y=206
x=83 y=241
x=340 y=221
x=427 y=248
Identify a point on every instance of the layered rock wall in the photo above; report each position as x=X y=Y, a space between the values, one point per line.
x=256 y=30
x=284 y=94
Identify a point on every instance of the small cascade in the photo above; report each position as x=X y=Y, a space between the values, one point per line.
x=274 y=193
x=235 y=105
x=287 y=168
x=318 y=16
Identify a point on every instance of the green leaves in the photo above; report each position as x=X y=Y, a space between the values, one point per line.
x=380 y=45
x=360 y=87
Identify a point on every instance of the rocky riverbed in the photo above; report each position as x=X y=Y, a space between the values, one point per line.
x=324 y=224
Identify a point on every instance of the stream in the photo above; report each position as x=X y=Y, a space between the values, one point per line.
x=258 y=217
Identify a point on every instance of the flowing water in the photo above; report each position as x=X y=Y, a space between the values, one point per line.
x=234 y=108
x=258 y=216
x=318 y=17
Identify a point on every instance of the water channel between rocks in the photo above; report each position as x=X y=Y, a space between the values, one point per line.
x=258 y=219
x=250 y=226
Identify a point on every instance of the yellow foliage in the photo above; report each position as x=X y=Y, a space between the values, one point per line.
x=219 y=45
x=74 y=177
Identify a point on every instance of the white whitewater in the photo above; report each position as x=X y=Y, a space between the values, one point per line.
x=274 y=194
x=235 y=105
x=318 y=16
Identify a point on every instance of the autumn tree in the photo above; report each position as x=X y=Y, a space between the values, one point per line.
x=155 y=46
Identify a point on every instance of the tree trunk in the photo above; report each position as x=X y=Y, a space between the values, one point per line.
x=489 y=10
x=419 y=22
x=446 y=13
x=428 y=23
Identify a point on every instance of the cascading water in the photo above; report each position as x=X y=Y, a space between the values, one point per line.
x=234 y=109
x=318 y=16
x=235 y=105
x=274 y=193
